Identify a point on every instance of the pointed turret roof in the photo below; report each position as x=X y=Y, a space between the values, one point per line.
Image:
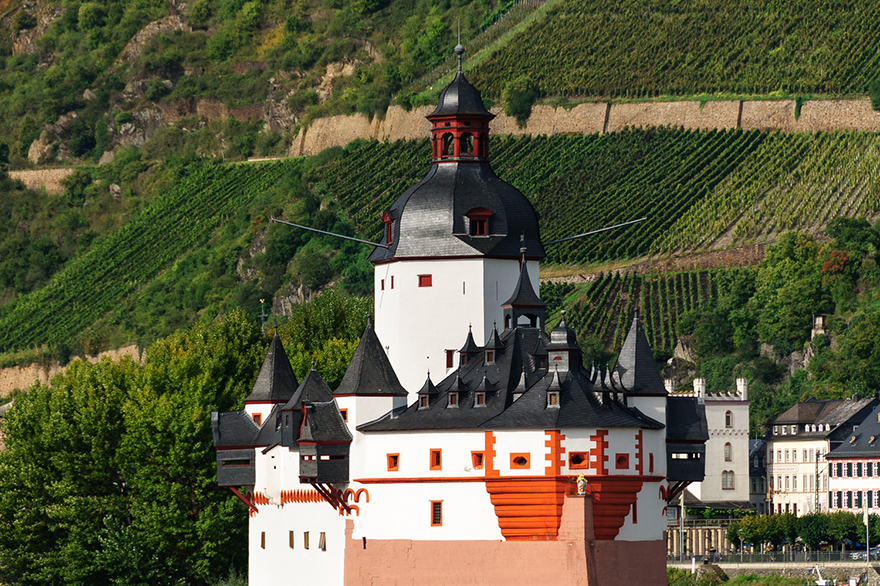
x=370 y=371
x=524 y=294
x=312 y=390
x=428 y=388
x=494 y=342
x=276 y=382
x=470 y=346
x=562 y=337
x=636 y=370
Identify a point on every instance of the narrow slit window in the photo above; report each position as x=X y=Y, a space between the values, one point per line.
x=450 y=358
x=436 y=513
x=263 y=539
x=290 y=539
x=322 y=541
x=305 y=539
x=436 y=460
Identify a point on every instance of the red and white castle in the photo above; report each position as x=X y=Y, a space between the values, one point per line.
x=396 y=479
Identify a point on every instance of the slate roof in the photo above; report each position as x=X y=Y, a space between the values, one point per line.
x=324 y=423
x=578 y=405
x=809 y=411
x=839 y=414
x=636 y=370
x=470 y=345
x=460 y=97
x=276 y=381
x=370 y=372
x=429 y=219
x=235 y=428
x=313 y=390
x=685 y=420
x=864 y=441
x=524 y=295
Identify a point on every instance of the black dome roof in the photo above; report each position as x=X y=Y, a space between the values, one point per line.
x=430 y=218
x=460 y=97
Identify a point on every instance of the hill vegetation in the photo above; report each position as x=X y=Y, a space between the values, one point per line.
x=644 y=48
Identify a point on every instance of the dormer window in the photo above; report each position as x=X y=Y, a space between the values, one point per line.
x=794 y=430
x=463 y=360
x=541 y=362
x=389 y=234
x=258 y=419
x=553 y=399
x=453 y=400
x=480 y=400
x=423 y=402
x=775 y=430
x=490 y=357
x=478 y=220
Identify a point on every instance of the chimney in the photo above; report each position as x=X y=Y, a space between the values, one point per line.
x=669 y=383
x=700 y=390
x=742 y=387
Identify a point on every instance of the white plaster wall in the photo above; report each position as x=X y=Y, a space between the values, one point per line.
x=620 y=441
x=651 y=516
x=263 y=409
x=414 y=449
x=520 y=441
x=805 y=499
x=653 y=407
x=278 y=564
x=403 y=511
x=418 y=324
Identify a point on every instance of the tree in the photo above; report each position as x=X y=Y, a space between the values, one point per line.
x=844 y=526
x=813 y=529
x=518 y=97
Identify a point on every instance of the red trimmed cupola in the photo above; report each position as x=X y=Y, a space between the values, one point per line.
x=460 y=123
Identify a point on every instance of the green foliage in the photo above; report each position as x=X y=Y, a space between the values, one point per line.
x=23 y=20
x=874 y=93
x=109 y=473
x=639 y=50
x=518 y=97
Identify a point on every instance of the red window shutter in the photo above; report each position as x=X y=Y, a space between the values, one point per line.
x=425 y=281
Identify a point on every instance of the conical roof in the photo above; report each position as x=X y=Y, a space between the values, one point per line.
x=460 y=97
x=370 y=372
x=636 y=369
x=494 y=342
x=470 y=346
x=313 y=390
x=428 y=388
x=524 y=294
x=276 y=382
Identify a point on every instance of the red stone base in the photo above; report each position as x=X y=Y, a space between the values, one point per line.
x=574 y=559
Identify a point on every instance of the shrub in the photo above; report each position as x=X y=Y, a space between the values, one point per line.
x=874 y=93
x=518 y=98
x=24 y=20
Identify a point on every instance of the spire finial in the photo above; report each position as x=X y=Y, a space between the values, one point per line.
x=459 y=48
x=369 y=319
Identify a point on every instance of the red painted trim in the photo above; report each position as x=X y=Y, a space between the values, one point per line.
x=482 y=460
x=599 y=451
x=433 y=505
x=556 y=454
x=517 y=455
x=393 y=461
x=252 y=508
x=436 y=454
x=489 y=459
x=640 y=453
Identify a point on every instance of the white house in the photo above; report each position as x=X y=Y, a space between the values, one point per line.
x=854 y=467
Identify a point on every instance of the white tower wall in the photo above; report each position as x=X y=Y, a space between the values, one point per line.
x=417 y=325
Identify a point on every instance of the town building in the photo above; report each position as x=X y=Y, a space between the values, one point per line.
x=758 y=495
x=451 y=451
x=854 y=468
x=797 y=444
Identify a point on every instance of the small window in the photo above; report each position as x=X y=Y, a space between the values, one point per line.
x=541 y=363
x=578 y=460
x=519 y=461
x=436 y=513
x=621 y=462
x=794 y=430
x=450 y=358
x=727 y=454
x=650 y=463
x=305 y=539
x=322 y=541
x=344 y=413
x=425 y=281
x=478 y=219
x=258 y=419
x=392 y=281
x=382 y=285
x=728 y=420
x=436 y=459
x=290 y=539
x=490 y=357
x=477 y=460
x=263 y=539
x=480 y=400
x=423 y=402
x=453 y=400
x=393 y=461
x=553 y=399
x=463 y=359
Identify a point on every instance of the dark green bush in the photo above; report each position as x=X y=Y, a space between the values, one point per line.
x=874 y=93
x=518 y=98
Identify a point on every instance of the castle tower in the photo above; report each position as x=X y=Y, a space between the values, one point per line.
x=453 y=245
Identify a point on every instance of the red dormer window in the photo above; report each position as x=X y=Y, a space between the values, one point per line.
x=478 y=218
x=258 y=419
x=389 y=234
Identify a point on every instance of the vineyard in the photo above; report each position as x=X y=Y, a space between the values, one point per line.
x=638 y=48
x=605 y=307
x=185 y=217
x=697 y=188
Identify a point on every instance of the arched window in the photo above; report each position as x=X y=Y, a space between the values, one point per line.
x=728 y=420
x=466 y=145
x=448 y=145
x=727 y=454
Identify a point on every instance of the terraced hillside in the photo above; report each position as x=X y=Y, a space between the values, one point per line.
x=605 y=306
x=697 y=188
x=640 y=48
